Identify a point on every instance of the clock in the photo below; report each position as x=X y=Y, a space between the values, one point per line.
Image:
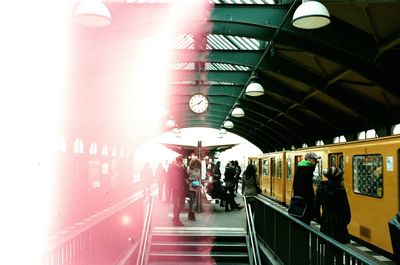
x=198 y=103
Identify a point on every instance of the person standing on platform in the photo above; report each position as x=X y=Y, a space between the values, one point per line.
x=147 y=178
x=336 y=215
x=194 y=172
x=161 y=176
x=238 y=171
x=177 y=174
x=249 y=183
x=303 y=184
x=230 y=178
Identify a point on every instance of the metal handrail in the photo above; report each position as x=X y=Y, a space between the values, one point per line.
x=291 y=223
x=145 y=232
x=252 y=233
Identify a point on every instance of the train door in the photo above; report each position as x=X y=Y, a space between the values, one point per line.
x=273 y=175
x=266 y=184
x=278 y=181
x=289 y=180
x=336 y=160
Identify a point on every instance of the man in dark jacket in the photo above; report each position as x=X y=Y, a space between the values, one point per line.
x=303 y=184
x=178 y=175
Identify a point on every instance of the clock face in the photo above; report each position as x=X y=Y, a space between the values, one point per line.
x=198 y=103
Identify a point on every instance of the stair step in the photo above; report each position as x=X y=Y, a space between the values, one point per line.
x=196 y=256
x=198 y=245
x=196 y=262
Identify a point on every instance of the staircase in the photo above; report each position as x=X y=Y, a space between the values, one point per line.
x=198 y=245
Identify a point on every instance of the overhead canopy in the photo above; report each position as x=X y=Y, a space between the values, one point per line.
x=187 y=150
x=322 y=83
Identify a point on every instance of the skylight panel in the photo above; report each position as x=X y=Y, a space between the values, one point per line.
x=248 y=2
x=183 y=41
x=220 y=42
x=182 y=66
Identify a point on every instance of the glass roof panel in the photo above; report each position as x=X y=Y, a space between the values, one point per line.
x=210 y=66
x=249 y=2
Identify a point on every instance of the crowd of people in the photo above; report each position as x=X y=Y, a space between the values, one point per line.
x=179 y=182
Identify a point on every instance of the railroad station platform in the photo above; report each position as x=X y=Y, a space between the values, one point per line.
x=214 y=220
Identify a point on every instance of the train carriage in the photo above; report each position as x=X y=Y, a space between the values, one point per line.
x=371 y=178
x=272 y=175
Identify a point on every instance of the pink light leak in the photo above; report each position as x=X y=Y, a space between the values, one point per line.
x=122 y=72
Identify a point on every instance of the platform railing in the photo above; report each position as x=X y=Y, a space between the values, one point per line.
x=144 y=241
x=255 y=255
x=104 y=238
x=291 y=242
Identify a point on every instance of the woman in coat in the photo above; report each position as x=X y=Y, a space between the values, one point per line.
x=332 y=197
x=249 y=183
x=194 y=172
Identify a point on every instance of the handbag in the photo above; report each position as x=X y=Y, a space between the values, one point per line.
x=298 y=206
x=258 y=189
x=195 y=183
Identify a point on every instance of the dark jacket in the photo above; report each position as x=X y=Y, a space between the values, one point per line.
x=177 y=176
x=336 y=213
x=303 y=186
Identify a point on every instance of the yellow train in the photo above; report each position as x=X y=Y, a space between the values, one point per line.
x=371 y=178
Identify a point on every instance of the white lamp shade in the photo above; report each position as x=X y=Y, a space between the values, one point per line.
x=311 y=15
x=237 y=112
x=228 y=124
x=254 y=89
x=222 y=131
x=175 y=130
x=93 y=13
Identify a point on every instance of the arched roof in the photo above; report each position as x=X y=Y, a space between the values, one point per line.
x=336 y=80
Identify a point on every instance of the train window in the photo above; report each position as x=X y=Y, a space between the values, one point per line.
x=317 y=173
x=332 y=160
x=288 y=168
x=266 y=167
x=368 y=175
x=93 y=149
x=279 y=168
x=336 y=160
x=341 y=162
x=78 y=146
x=273 y=167
x=104 y=151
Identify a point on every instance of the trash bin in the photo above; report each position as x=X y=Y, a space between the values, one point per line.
x=394 y=229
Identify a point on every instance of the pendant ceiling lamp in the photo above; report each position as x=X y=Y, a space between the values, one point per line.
x=93 y=13
x=228 y=124
x=311 y=15
x=222 y=131
x=254 y=89
x=237 y=112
